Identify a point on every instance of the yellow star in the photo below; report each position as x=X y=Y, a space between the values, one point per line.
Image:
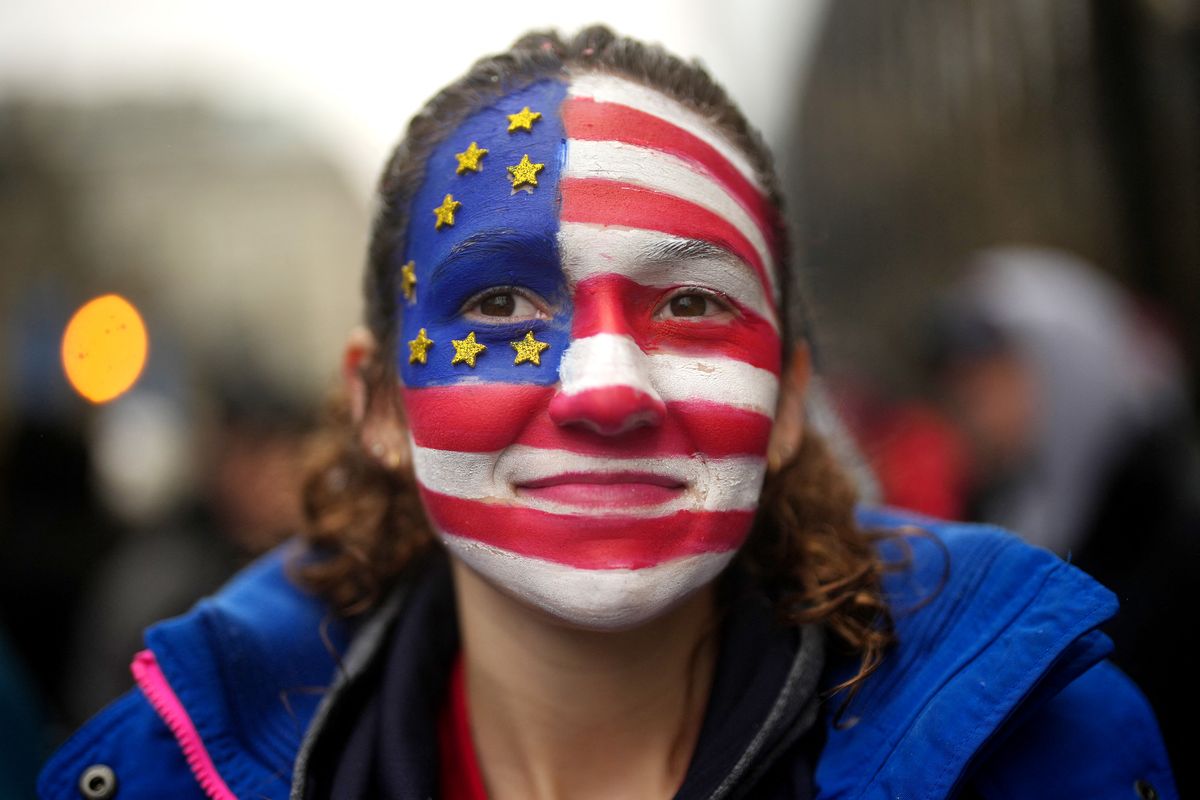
x=445 y=212
x=408 y=281
x=529 y=349
x=523 y=120
x=466 y=349
x=418 y=347
x=525 y=173
x=468 y=160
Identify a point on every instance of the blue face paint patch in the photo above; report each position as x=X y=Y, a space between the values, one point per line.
x=501 y=237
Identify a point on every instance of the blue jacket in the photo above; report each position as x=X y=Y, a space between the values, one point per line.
x=998 y=687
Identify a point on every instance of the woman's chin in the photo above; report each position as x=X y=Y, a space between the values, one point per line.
x=590 y=599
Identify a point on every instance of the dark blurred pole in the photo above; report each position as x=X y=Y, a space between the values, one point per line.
x=1124 y=116
x=1147 y=61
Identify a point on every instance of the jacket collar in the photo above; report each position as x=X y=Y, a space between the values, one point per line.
x=249 y=666
x=1009 y=626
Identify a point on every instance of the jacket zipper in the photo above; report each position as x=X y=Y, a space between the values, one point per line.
x=152 y=682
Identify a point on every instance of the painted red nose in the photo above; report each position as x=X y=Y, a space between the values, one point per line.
x=609 y=410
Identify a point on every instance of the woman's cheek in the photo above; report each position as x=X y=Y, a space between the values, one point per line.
x=720 y=431
x=473 y=417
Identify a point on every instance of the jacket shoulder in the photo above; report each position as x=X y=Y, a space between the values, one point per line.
x=989 y=629
x=1096 y=738
x=129 y=739
x=248 y=665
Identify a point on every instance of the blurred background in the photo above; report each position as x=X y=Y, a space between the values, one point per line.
x=997 y=215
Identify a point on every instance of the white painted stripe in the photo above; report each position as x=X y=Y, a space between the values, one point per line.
x=589 y=250
x=608 y=359
x=611 y=89
x=712 y=484
x=600 y=599
x=663 y=172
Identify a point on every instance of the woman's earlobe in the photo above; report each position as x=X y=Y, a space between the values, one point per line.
x=373 y=409
x=383 y=432
x=359 y=352
x=788 y=430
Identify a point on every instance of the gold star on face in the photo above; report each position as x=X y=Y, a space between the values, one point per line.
x=445 y=212
x=525 y=173
x=523 y=120
x=529 y=349
x=418 y=347
x=468 y=161
x=465 y=350
x=408 y=281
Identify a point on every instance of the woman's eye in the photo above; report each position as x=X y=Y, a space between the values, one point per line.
x=503 y=304
x=689 y=305
x=498 y=305
x=695 y=304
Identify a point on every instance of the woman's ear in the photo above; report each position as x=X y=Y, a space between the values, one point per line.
x=788 y=431
x=375 y=410
x=360 y=350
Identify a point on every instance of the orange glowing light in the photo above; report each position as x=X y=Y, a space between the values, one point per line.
x=104 y=348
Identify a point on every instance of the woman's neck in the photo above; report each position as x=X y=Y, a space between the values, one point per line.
x=558 y=712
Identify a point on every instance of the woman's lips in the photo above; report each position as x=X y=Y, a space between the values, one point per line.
x=599 y=489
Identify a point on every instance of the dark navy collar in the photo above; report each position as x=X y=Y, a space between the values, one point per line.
x=377 y=738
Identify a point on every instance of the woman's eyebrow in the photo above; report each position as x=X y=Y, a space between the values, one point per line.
x=532 y=248
x=676 y=250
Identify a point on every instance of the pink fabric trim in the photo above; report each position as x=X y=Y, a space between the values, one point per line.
x=153 y=683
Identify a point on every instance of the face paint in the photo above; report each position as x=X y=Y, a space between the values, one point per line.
x=592 y=355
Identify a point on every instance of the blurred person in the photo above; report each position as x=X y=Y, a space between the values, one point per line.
x=168 y=555
x=915 y=452
x=1076 y=410
x=256 y=457
x=573 y=534
x=198 y=497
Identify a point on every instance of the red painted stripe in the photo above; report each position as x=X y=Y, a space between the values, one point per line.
x=603 y=202
x=589 y=542
x=587 y=119
x=479 y=418
x=615 y=304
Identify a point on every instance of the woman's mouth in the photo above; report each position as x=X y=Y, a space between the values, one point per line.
x=604 y=489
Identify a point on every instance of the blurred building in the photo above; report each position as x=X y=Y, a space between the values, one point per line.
x=235 y=228
x=241 y=243
x=933 y=128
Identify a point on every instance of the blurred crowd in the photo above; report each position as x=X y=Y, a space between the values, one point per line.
x=1056 y=405
x=996 y=213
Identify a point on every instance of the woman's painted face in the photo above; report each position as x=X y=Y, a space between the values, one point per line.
x=589 y=348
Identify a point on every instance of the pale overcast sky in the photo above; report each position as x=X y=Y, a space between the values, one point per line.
x=353 y=75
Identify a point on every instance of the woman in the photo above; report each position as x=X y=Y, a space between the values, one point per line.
x=649 y=579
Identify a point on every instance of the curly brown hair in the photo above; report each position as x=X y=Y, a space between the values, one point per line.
x=365 y=520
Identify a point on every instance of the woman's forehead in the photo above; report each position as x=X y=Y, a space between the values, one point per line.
x=478 y=183
x=571 y=160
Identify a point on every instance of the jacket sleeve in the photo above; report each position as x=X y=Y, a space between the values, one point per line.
x=1097 y=738
x=129 y=739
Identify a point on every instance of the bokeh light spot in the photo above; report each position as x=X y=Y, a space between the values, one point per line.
x=104 y=348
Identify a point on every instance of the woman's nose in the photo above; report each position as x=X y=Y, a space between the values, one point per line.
x=606 y=387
